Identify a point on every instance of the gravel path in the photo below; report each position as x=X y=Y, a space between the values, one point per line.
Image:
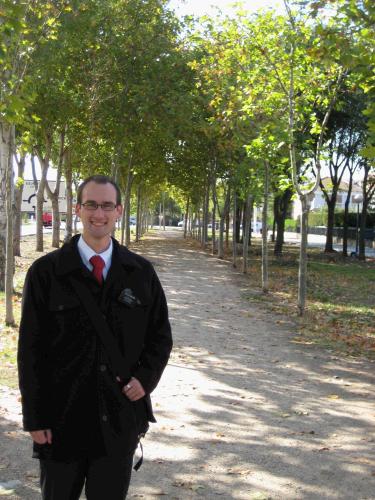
x=244 y=411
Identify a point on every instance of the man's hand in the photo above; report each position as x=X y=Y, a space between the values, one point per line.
x=133 y=390
x=42 y=437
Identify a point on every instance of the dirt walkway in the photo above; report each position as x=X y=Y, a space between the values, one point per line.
x=243 y=410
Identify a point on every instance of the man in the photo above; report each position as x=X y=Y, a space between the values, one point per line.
x=84 y=419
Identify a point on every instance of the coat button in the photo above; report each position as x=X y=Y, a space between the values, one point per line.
x=104 y=418
x=103 y=368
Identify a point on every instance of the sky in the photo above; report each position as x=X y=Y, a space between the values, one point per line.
x=202 y=7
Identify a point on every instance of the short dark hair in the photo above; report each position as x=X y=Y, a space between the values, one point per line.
x=98 y=179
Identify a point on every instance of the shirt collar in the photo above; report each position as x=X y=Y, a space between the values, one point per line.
x=86 y=252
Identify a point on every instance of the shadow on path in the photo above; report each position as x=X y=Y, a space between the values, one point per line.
x=244 y=410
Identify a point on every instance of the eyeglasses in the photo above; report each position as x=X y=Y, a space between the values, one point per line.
x=108 y=206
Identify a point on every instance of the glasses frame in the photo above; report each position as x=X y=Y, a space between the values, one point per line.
x=101 y=205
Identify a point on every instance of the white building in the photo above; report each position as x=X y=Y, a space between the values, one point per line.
x=319 y=201
x=29 y=197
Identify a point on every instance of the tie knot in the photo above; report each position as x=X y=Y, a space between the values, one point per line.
x=98 y=265
x=97 y=262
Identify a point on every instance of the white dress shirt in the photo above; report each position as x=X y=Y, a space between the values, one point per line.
x=86 y=252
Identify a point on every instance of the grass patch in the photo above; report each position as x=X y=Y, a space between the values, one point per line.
x=340 y=304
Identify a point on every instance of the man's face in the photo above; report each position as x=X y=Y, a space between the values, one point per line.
x=98 y=224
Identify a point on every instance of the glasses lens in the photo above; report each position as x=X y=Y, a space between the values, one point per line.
x=108 y=207
x=90 y=205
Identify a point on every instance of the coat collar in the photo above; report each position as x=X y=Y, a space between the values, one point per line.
x=69 y=259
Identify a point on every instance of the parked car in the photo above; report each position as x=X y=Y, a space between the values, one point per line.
x=181 y=223
x=47 y=219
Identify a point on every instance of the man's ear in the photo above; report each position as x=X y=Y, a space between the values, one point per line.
x=119 y=209
x=77 y=209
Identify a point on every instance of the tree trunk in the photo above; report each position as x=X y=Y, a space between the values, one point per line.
x=346 y=217
x=163 y=211
x=33 y=170
x=69 y=198
x=280 y=213
x=227 y=227
x=44 y=164
x=186 y=216
x=138 y=225
x=55 y=221
x=264 y=231
x=234 y=229
x=206 y=215
x=54 y=195
x=9 y=257
x=125 y=228
x=362 y=229
x=368 y=192
x=237 y=215
x=330 y=223
x=214 y=226
x=223 y=216
x=302 y=272
x=39 y=211
x=5 y=151
x=246 y=228
x=18 y=190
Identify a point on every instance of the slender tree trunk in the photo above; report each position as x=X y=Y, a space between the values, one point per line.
x=199 y=226
x=214 y=226
x=69 y=198
x=55 y=221
x=9 y=261
x=138 y=225
x=186 y=216
x=163 y=211
x=39 y=211
x=368 y=192
x=125 y=230
x=330 y=224
x=362 y=229
x=346 y=217
x=44 y=164
x=302 y=272
x=237 y=215
x=227 y=227
x=246 y=227
x=33 y=171
x=234 y=229
x=205 y=215
x=54 y=195
x=265 y=232
x=280 y=213
x=223 y=216
x=5 y=150
x=18 y=190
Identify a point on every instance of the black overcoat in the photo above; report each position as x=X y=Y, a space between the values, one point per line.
x=66 y=380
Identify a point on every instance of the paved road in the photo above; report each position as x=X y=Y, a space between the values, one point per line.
x=314 y=240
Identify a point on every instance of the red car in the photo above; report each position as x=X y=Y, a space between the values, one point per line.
x=47 y=219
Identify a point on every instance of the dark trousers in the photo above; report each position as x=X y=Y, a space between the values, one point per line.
x=104 y=478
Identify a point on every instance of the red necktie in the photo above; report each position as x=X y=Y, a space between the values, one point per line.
x=98 y=264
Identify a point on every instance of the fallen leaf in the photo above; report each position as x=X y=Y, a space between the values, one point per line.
x=196 y=487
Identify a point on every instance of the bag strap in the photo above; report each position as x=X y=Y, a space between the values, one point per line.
x=101 y=328
x=104 y=333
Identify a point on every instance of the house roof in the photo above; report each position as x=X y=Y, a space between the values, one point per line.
x=344 y=186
